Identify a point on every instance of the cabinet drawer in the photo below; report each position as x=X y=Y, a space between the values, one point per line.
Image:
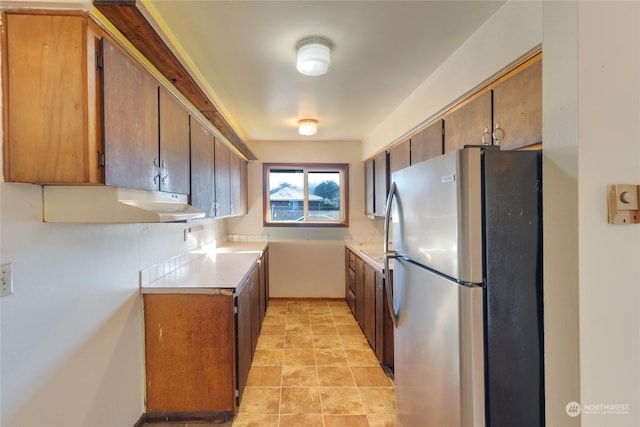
x=351 y=301
x=352 y=280
x=352 y=261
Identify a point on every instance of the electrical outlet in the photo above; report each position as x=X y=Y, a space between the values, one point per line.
x=6 y=280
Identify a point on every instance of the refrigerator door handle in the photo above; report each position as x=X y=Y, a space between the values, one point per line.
x=389 y=255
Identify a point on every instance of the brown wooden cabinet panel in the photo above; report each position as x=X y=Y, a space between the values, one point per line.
x=368 y=187
x=517 y=109
x=202 y=168
x=380 y=183
x=51 y=99
x=174 y=145
x=179 y=379
x=263 y=283
x=238 y=185
x=428 y=143
x=243 y=338
x=359 y=291
x=468 y=124
x=254 y=290
x=130 y=123
x=369 y=297
x=379 y=315
x=223 y=180
x=400 y=156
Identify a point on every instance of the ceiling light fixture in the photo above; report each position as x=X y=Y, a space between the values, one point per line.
x=307 y=127
x=314 y=56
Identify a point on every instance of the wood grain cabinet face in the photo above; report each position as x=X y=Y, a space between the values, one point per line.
x=400 y=157
x=469 y=124
x=174 y=145
x=517 y=109
x=368 y=187
x=380 y=183
x=202 y=169
x=51 y=99
x=223 y=180
x=130 y=122
x=369 y=303
x=189 y=353
x=428 y=143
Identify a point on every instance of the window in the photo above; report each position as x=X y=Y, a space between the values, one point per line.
x=306 y=195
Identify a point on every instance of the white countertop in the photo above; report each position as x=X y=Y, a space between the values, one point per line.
x=371 y=253
x=211 y=271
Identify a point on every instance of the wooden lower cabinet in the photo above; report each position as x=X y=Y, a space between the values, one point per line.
x=366 y=296
x=199 y=347
x=190 y=353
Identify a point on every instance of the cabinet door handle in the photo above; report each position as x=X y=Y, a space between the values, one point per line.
x=157 y=170
x=164 y=172
x=484 y=134
x=497 y=139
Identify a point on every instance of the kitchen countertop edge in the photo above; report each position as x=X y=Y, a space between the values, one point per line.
x=217 y=271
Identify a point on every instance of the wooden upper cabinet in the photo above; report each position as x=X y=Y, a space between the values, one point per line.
x=50 y=99
x=428 y=143
x=202 y=169
x=239 y=184
x=223 y=180
x=130 y=123
x=380 y=183
x=469 y=124
x=400 y=156
x=174 y=145
x=368 y=187
x=517 y=109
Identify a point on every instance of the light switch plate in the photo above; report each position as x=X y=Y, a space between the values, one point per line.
x=623 y=204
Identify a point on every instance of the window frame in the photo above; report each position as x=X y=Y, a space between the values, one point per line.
x=342 y=168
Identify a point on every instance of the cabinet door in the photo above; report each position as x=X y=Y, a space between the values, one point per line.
x=130 y=123
x=174 y=145
x=428 y=143
x=380 y=184
x=359 y=292
x=238 y=185
x=202 y=168
x=263 y=288
x=254 y=290
x=469 y=124
x=379 y=316
x=368 y=187
x=243 y=337
x=517 y=109
x=223 y=180
x=47 y=135
x=370 y=304
x=179 y=379
x=265 y=263
x=400 y=156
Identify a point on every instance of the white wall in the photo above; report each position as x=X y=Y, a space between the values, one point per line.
x=609 y=255
x=307 y=261
x=72 y=345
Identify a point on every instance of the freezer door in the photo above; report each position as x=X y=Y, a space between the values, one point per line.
x=439 y=368
x=436 y=215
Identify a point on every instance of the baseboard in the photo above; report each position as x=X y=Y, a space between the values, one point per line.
x=197 y=417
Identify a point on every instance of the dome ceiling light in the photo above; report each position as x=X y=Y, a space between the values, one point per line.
x=314 y=56
x=307 y=127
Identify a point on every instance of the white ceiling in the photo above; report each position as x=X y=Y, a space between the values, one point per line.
x=382 y=51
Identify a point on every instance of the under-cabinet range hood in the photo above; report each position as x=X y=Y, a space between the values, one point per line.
x=104 y=204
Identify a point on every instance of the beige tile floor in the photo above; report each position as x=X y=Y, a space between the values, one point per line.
x=313 y=367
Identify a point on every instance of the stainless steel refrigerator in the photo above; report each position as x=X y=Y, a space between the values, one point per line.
x=466 y=229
